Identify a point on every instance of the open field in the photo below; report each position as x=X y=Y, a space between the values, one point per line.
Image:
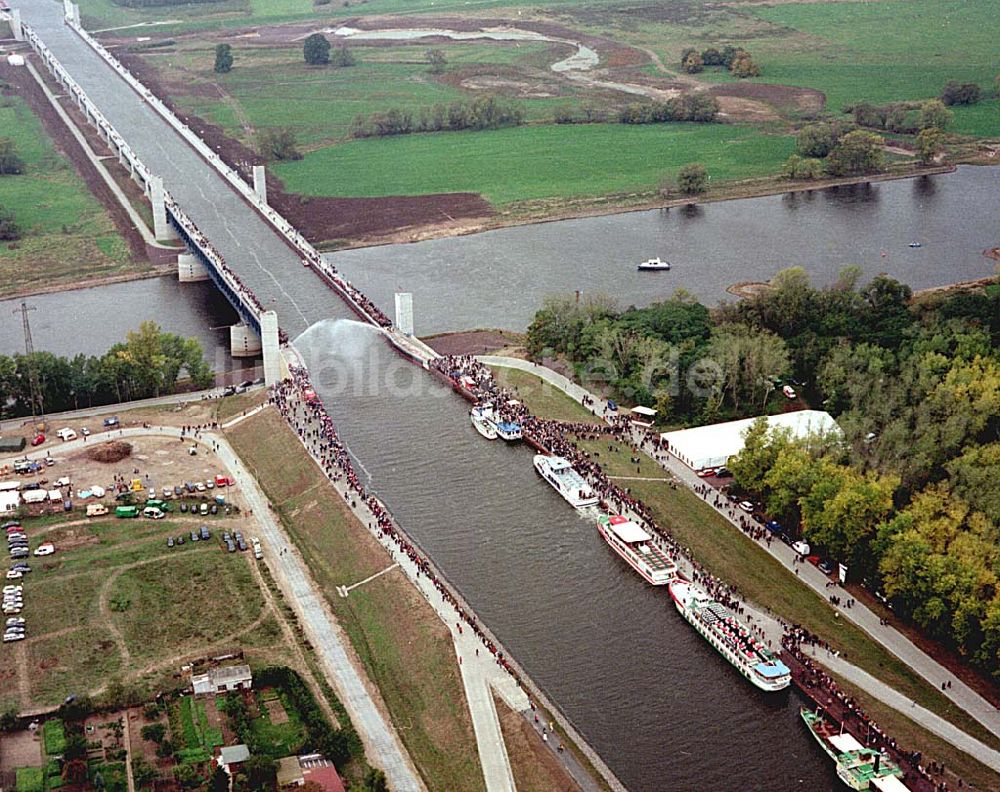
x=405 y=649
x=542 y=399
x=67 y=236
x=534 y=162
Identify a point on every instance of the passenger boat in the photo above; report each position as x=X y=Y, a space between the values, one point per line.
x=565 y=480
x=508 y=430
x=654 y=264
x=484 y=425
x=636 y=546
x=858 y=767
x=732 y=640
x=916 y=244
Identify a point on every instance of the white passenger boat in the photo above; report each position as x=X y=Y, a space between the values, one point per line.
x=565 y=480
x=636 y=546
x=654 y=264
x=717 y=625
x=481 y=416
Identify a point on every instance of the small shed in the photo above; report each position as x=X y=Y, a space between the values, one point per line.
x=290 y=773
x=642 y=416
x=15 y=60
x=233 y=755
x=222 y=679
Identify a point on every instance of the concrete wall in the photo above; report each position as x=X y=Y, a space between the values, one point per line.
x=190 y=269
x=243 y=341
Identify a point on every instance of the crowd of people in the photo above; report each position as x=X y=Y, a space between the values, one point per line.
x=821 y=687
x=310 y=420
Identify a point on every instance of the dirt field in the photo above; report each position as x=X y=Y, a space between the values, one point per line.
x=20 y=749
x=475 y=342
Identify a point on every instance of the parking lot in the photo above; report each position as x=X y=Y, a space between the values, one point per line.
x=125 y=597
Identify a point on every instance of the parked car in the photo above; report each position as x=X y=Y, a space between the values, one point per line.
x=45 y=549
x=38 y=440
x=170 y=541
x=11 y=637
x=110 y=422
x=13 y=621
x=14 y=574
x=66 y=433
x=826 y=566
x=723 y=472
x=180 y=540
x=214 y=508
x=789 y=392
x=85 y=432
x=747 y=506
x=230 y=547
x=705 y=472
x=184 y=508
x=194 y=536
x=802 y=548
x=204 y=510
x=200 y=486
x=10 y=524
x=205 y=533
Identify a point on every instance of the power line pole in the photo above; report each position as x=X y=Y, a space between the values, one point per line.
x=34 y=392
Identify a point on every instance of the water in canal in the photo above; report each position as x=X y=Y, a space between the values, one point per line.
x=659 y=705
x=499 y=278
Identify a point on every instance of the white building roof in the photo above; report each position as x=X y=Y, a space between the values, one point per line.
x=712 y=445
x=233 y=754
x=9 y=500
x=629 y=532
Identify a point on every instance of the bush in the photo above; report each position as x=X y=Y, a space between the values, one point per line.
x=956 y=93
x=797 y=167
x=278 y=144
x=9 y=229
x=316 y=50
x=223 y=59
x=154 y=732
x=692 y=179
x=342 y=57
x=10 y=162
x=816 y=140
x=743 y=66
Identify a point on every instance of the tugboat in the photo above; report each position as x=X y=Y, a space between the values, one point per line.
x=654 y=265
x=858 y=767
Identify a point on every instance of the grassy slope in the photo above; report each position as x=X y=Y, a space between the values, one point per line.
x=727 y=553
x=526 y=163
x=405 y=648
x=67 y=235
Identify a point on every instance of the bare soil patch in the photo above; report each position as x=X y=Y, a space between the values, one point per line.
x=781 y=97
x=475 y=342
x=736 y=108
x=20 y=749
x=110 y=452
x=276 y=711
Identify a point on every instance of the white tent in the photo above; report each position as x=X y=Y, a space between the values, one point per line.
x=642 y=416
x=712 y=445
x=9 y=501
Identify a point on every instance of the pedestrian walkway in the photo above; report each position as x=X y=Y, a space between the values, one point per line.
x=895 y=642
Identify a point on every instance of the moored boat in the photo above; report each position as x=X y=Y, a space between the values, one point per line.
x=508 y=430
x=717 y=625
x=654 y=264
x=636 y=546
x=484 y=425
x=858 y=767
x=565 y=480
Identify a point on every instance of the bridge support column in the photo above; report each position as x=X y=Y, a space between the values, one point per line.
x=272 y=351
x=404 y=312
x=72 y=11
x=190 y=269
x=157 y=197
x=260 y=182
x=243 y=341
x=15 y=25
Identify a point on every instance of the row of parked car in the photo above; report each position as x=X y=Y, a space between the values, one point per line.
x=13 y=593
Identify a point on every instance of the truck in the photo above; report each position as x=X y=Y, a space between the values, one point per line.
x=126 y=512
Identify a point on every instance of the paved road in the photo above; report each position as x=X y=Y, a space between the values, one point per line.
x=382 y=744
x=251 y=247
x=894 y=641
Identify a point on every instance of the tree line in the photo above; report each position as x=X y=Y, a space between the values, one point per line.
x=486 y=112
x=148 y=363
x=906 y=497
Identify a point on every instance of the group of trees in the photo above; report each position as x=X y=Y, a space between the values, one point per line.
x=278 y=144
x=697 y=106
x=149 y=363
x=956 y=93
x=486 y=112
x=905 y=498
x=736 y=59
x=316 y=51
x=831 y=149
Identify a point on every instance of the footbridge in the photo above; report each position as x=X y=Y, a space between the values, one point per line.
x=263 y=266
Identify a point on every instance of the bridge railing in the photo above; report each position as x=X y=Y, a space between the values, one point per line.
x=362 y=305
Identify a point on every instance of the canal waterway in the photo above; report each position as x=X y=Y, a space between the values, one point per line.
x=657 y=703
x=499 y=278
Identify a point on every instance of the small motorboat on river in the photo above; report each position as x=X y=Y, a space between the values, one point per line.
x=654 y=265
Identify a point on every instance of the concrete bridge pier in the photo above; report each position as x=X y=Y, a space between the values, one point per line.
x=190 y=269
x=243 y=341
x=15 y=25
x=72 y=11
x=162 y=229
x=260 y=182
x=274 y=364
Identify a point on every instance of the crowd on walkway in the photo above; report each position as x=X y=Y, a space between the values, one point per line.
x=310 y=420
x=821 y=687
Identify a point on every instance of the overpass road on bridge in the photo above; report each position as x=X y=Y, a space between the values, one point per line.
x=252 y=248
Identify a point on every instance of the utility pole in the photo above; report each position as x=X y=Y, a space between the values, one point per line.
x=34 y=392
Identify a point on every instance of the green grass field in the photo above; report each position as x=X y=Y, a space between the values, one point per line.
x=526 y=163
x=405 y=648
x=67 y=235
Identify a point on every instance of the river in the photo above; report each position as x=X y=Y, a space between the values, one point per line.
x=657 y=703
x=498 y=279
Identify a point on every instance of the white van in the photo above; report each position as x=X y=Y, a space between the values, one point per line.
x=96 y=509
x=66 y=434
x=153 y=513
